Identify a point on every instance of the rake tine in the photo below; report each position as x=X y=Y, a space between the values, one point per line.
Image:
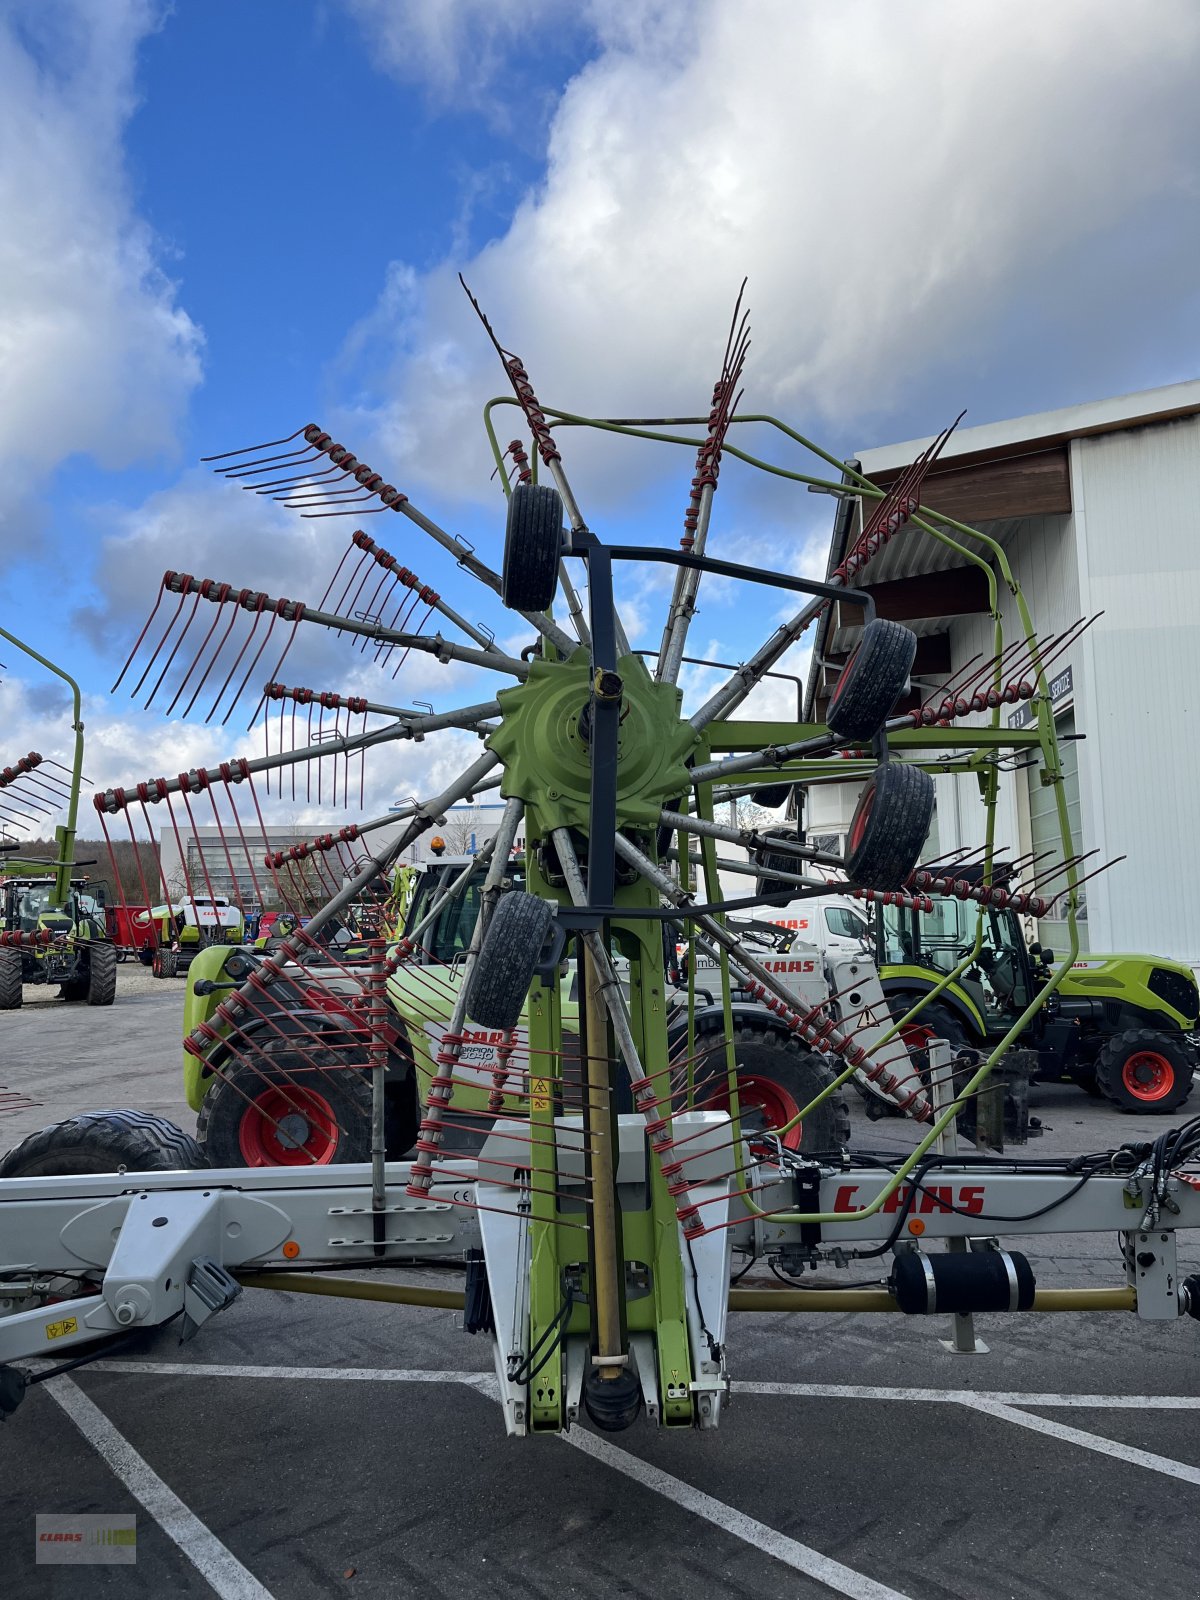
x=250 y=669
x=257 y=614
x=252 y=469
x=245 y=449
x=199 y=656
x=140 y=637
x=1079 y=882
x=136 y=690
x=216 y=656
x=299 y=481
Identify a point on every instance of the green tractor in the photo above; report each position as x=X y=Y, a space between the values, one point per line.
x=55 y=938
x=182 y=931
x=1121 y=1026
x=251 y=1112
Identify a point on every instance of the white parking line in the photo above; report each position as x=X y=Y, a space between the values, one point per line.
x=967 y=1397
x=232 y=1580
x=1090 y=1441
x=799 y=1391
x=801 y=1557
x=200 y=1369
x=217 y=1565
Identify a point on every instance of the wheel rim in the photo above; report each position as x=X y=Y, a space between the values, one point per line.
x=764 y=1105
x=1147 y=1075
x=859 y=825
x=288 y=1127
x=841 y=683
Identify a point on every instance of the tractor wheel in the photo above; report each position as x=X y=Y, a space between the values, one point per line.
x=507 y=960
x=770 y=861
x=1145 y=1072
x=889 y=826
x=532 y=545
x=102 y=976
x=777 y=1077
x=872 y=680
x=277 y=1112
x=771 y=795
x=935 y=1022
x=10 y=980
x=170 y=964
x=104 y=1141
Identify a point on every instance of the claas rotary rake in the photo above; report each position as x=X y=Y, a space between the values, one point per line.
x=523 y=1038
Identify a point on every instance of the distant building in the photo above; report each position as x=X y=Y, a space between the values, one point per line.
x=1098 y=510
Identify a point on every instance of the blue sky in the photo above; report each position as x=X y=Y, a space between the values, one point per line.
x=227 y=220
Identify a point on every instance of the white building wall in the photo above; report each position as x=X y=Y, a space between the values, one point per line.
x=1137 y=508
x=1042 y=557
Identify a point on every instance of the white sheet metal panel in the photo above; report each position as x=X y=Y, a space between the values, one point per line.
x=1041 y=553
x=1137 y=507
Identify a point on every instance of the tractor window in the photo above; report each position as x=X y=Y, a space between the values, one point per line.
x=451 y=934
x=35 y=903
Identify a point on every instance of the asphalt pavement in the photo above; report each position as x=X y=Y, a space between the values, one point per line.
x=307 y=1448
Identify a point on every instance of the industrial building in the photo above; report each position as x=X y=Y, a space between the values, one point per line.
x=1097 y=508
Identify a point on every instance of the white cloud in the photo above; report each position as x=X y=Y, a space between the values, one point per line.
x=897 y=181
x=96 y=355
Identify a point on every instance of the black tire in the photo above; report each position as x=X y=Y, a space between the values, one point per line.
x=146 y=957
x=1145 y=1072
x=770 y=861
x=872 y=680
x=935 y=1022
x=777 y=1060
x=889 y=827
x=277 y=1105
x=10 y=980
x=402 y=1117
x=104 y=1141
x=102 y=978
x=122 y=955
x=532 y=545
x=508 y=959
x=771 y=795
x=170 y=964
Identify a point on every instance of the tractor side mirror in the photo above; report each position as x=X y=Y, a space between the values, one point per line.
x=1047 y=957
x=1035 y=949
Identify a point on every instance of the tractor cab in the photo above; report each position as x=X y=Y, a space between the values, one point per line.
x=28 y=906
x=1123 y=1026
x=915 y=949
x=449 y=936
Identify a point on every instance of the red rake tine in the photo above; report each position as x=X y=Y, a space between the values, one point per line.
x=199 y=656
x=217 y=653
x=257 y=615
x=294 y=485
x=243 y=450
x=138 y=642
x=136 y=690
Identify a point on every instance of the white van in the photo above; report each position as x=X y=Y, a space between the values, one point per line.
x=835 y=924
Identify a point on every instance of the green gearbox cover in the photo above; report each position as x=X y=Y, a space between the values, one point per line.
x=547 y=758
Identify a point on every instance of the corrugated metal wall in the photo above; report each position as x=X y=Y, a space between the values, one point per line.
x=1137 y=511
x=1041 y=553
x=1130 y=548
